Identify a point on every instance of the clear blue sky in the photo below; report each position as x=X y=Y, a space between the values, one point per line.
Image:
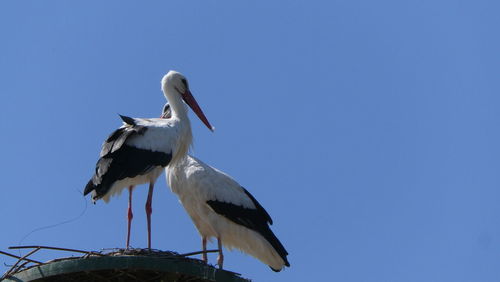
x=369 y=130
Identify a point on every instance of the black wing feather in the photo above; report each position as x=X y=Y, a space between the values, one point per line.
x=128 y=120
x=256 y=219
x=118 y=161
x=119 y=136
x=260 y=208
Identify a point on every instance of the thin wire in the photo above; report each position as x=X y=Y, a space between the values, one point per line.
x=57 y=224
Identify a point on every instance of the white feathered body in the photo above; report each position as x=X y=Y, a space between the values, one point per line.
x=196 y=183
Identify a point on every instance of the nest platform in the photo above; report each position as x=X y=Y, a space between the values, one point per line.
x=115 y=265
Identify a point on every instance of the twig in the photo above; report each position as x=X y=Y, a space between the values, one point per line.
x=21 y=258
x=20 y=266
x=56 y=248
x=18 y=257
x=197 y=253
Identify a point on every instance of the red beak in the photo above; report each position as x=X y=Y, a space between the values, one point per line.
x=189 y=99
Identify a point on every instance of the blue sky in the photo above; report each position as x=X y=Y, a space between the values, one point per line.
x=367 y=129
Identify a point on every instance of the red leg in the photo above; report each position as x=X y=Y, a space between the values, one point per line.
x=149 y=210
x=220 y=259
x=204 y=245
x=129 y=214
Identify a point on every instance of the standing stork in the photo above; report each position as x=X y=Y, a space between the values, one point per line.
x=137 y=152
x=220 y=207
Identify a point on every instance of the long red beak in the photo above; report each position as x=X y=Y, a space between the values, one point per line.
x=189 y=99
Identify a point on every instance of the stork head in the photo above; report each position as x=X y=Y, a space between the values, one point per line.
x=167 y=112
x=174 y=80
x=175 y=85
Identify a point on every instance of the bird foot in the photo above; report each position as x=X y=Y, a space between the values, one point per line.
x=220 y=261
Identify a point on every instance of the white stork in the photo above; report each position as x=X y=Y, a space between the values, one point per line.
x=137 y=152
x=222 y=208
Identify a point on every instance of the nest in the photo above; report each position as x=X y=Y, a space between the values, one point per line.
x=115 y=265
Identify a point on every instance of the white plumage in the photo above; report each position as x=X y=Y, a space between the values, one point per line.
x=155 y=138
x=221 y=208
x=137 y=152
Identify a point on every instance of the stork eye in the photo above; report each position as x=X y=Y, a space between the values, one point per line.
x=185 y=82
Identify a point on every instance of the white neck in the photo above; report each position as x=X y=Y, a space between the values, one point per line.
x=180 y=113
x=179 y=109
